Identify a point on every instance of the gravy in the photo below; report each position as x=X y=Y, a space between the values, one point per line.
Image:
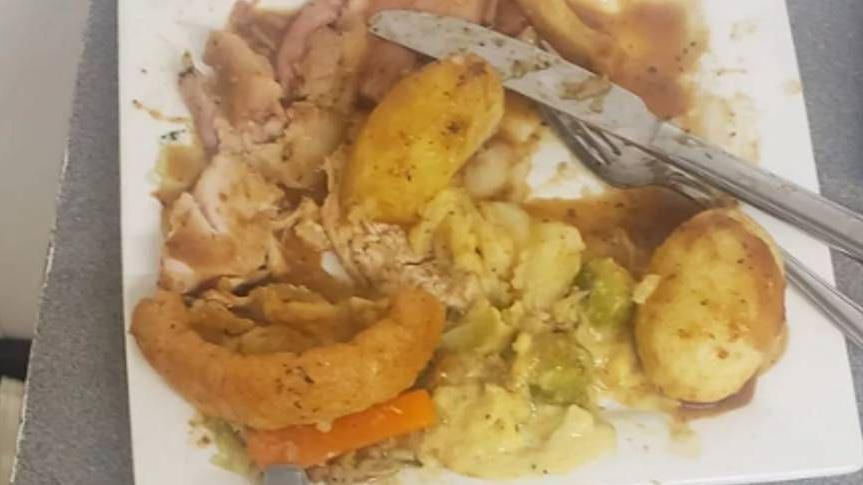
x=625 y=224
x=661 y=42
x=689 y=411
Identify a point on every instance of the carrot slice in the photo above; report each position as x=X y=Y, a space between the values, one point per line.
x=307 y=446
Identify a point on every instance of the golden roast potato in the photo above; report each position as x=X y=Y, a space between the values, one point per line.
x=420 y=135
x=575 y=40
x=717 y=316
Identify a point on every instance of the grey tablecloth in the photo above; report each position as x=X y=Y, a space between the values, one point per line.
x=77 y=425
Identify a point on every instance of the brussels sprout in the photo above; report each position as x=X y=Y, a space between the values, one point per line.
x=561 y=369
x=608 y=304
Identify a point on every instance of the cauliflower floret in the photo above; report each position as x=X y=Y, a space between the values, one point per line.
x=502 y=246
x=549 y=265
x=454 y=228
x=482 y=331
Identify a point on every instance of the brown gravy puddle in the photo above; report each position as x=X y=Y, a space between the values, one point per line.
x=689 y=411
x=662 y=42
x=626 y=225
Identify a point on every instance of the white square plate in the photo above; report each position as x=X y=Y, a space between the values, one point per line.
x=803 y=420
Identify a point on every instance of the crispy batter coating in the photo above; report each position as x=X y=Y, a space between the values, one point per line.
x=270 y=391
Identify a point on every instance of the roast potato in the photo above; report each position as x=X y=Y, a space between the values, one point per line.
x=420 y=135
x=718 y=314
x=560 y=25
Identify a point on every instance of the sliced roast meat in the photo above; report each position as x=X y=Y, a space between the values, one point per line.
x=509 y=19
x=221 y=229
x=200 y=102
x=388 y=63
x=317 y=14
x=245 y=80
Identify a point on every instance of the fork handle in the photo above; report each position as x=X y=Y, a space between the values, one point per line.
x=844 y=312
x=833 y=224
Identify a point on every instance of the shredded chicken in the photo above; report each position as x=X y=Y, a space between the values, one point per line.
x=227 y=230
x=221 y=229
x=509 y=19
x=320 y=67
x=243 y=107
x=379 y=255
x=326 y=73
x=200 y=102
x=262 y=29
x=316 y=15
x=314 y=134
x=295 y=160
x=245 y=79
x=381 y=71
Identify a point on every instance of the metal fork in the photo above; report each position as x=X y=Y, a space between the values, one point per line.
x=628 y=166
x=285 y=475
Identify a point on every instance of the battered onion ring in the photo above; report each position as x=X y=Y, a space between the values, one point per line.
x=272 y=391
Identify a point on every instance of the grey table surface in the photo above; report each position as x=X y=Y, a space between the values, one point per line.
x=76 y=427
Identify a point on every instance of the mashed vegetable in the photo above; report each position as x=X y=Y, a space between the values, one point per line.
x=514 y=386
x=558 y=369
x=488 y=431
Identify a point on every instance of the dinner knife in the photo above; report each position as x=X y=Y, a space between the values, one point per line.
x=551 y=80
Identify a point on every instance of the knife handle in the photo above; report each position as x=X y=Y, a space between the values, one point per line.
x=832 y=223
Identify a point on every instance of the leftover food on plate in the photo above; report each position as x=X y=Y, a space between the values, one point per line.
x=356 y=278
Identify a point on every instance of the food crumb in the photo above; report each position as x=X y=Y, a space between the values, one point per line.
x=743 y=29
x=156 y=114
x=793 y=87
x=594 y=88
x=173 y=135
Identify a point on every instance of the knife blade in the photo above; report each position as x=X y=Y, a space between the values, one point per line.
x=554 y=82
x=533 y=72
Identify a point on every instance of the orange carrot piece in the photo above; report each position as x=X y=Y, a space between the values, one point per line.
x=307 y=445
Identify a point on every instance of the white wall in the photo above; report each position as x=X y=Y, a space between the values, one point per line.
x=40 y=43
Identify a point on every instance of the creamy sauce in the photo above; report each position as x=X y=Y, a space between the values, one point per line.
x=489 y=432
x=619 y=372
